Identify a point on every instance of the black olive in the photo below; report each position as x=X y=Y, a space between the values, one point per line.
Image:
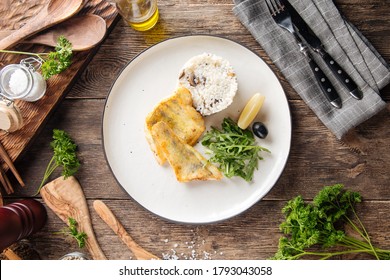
x=260 y=130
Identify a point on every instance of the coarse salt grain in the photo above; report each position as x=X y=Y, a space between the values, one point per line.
x=194 y=254
x=18 y=81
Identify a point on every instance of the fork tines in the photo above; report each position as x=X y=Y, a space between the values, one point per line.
x=274 y=6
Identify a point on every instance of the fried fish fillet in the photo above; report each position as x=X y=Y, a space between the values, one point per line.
x=179 y=114
x=187 y=163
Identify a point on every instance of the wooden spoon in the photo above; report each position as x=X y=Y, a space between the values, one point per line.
x=66 y=198
x=110 y=219
x=83 y=31
x=54 y=12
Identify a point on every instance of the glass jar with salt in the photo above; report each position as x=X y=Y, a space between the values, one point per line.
x=22 y=81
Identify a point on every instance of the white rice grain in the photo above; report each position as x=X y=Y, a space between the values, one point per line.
x=211 y=81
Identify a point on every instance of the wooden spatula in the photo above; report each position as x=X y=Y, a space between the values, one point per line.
x=110 y=219
x=83 y=31
x=54 y=12
x=67 y=200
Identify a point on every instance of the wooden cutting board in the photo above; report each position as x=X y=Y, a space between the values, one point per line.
x=13 y=14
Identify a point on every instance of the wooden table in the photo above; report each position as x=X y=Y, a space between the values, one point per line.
x=317 y=158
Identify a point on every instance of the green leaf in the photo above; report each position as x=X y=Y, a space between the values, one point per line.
x=310 y=226
x=55 y=62
x=64 y=156
x=233 y=149
x=72 y=231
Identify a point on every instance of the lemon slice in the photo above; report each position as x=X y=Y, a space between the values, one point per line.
x=250 y=110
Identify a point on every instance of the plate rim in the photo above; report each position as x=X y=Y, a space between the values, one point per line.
x=105 y=152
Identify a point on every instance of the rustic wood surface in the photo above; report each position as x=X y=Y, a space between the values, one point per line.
x=66 y=198
x=13 y=15
x=317 y=158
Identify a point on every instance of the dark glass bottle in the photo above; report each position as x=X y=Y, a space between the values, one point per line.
x=19 y=220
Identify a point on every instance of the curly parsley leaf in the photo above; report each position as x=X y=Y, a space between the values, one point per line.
x=54 y=62
x=59 y=60
x=317 y=229
x=64 y=155
x=72 y=231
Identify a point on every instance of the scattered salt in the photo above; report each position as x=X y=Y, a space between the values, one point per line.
x=195 y=252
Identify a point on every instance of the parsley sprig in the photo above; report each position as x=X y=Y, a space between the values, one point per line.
x=72 y=231
x=234 y=149
x=53 y=62
x=64 y=156
x=316 y=229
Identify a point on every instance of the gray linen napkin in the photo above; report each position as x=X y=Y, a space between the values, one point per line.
x=342 y=41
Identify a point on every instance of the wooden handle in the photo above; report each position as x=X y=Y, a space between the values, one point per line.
x=8 y=161
x=5 y=182
x=56 y=11
x=109 y=218
x=11 y=255
x=1 y=199
x=66 y=198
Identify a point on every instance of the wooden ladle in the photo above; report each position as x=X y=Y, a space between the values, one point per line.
x=54 y=12
x=83 y=31
x=105 y=213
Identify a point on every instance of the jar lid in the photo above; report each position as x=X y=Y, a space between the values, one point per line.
x=10 y=116
x=16 y=81
x=74 y=256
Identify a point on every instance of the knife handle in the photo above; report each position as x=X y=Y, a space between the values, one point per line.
x=325 y=85
x=342 y=76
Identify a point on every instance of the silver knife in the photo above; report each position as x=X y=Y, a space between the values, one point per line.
x=305 y=31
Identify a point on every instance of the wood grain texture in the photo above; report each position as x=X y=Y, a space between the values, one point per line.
x=35 y=114
x=65 y=197
x=109 y=218
x=316 y=159
x=53 y=12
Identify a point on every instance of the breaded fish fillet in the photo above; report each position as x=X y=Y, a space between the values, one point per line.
x=187 y=163
x=179 y=114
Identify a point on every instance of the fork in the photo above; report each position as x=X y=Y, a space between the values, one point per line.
x=282 y=18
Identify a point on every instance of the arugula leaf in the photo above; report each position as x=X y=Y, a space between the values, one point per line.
x=234 y=149
x=309 y=226
x=55 y=62
x=64 y=156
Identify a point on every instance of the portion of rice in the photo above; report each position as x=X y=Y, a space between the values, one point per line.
x=211 y=81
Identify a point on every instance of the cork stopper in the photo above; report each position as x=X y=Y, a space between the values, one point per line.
x=10 y=116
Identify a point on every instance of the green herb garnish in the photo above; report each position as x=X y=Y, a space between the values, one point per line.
x=234 y=149
x=55 y=62
x=72 y=231
x=316 y=229
x=65 y=156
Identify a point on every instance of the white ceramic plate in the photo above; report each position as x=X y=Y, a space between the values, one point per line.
x=152 y=76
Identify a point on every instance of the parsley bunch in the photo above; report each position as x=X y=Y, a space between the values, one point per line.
x=64 y=156
x=234 y=149
x=55 y=62
x=72 y=231
x=308 y=227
